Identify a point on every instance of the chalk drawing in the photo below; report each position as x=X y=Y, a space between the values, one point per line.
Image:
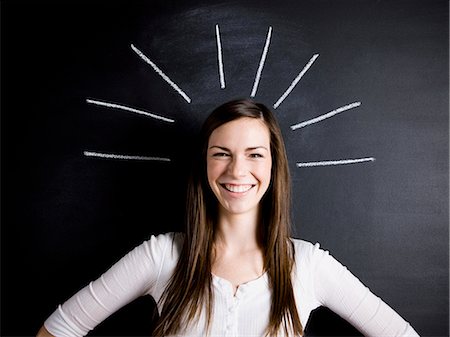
x=161 y=73
x=335 y=162
x=261 y=63
x=123 y=107
x=325 y=116
x=122 y=157
x=219 y=58
x=222 y=85
x=295 y=81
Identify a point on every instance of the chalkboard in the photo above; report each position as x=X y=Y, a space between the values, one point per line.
x=372 y=88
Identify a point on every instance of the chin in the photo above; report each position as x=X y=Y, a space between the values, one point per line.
x=239 y=210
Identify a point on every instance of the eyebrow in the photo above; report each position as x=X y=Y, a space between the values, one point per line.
x=247 y=149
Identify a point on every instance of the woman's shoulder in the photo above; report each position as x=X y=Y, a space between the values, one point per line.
x=304 y=246
x=164 y=238
x=159 y=248
x=307 y=252
x=161 y=242
x=157 y=257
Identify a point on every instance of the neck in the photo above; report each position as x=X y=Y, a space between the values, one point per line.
x=238 y=232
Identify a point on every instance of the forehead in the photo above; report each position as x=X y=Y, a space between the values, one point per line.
x=244 y=131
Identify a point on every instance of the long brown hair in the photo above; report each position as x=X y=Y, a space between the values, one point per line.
x=190 y=289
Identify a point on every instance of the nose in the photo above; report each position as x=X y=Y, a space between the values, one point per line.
x=237 y=167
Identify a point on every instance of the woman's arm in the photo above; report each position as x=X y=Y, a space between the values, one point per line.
x=338 y=289
x=136 y=274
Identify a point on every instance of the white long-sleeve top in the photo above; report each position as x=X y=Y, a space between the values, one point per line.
x=319 y=280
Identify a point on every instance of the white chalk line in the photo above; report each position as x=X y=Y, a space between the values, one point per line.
x=161 y=73
x=295 y=81
x=261 y=63
x=124 y=107
x=335 y=162
x=219 y=58
x=325 y=116
x=122 y=157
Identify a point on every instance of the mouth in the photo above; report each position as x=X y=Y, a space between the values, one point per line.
x=237 y=188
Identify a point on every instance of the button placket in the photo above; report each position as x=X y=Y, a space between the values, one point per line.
x=231 y=302
x=230 y=326
x=232 y=316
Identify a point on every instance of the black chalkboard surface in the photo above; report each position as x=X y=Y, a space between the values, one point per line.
x=68 y=214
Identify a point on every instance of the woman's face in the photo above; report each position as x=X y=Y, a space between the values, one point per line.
x=239 y=164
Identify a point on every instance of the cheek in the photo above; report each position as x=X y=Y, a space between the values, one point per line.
x=268 y=171
x=212 y=171
x=264 y=174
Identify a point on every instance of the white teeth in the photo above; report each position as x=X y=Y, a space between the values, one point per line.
x=238 y=188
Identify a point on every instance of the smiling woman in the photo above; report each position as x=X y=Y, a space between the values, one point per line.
x=235 y=271
x=237 y=236
x=239 y=165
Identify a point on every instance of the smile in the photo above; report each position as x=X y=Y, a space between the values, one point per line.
x=237 y=188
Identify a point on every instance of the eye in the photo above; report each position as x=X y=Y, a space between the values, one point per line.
x=221 y=154
x=256 y=155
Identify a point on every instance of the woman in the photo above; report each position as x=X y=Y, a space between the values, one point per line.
x=235 y=271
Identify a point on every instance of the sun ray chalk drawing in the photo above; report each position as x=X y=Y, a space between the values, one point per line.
x=126 y=108
x=335 y=162
x=161 y=73
x=325 y=116
x=122 y=157
x=222 y=85
x=219 y=58
x=295 y=81
x=261 y=63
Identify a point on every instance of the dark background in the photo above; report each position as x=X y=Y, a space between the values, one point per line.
x=66 y=218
